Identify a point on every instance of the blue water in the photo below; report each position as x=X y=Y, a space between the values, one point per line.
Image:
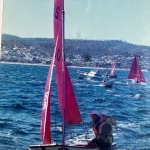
x=21 y=94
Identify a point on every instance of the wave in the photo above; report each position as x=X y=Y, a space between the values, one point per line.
x=17 y=107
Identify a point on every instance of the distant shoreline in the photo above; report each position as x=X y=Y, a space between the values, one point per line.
x=17 y=63
x=68 y=66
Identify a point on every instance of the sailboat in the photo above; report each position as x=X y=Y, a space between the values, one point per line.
x=107 y=80
x=66 y=96
x=112 y=75
x=107 y=83
x=135 y=74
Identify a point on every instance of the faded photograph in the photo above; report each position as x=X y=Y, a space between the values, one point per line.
x=75 y=74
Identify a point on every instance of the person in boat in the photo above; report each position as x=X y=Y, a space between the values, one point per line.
x=106 y=74
x=137 y=80
x=96 y=123
x=103 y=81
x=103 y=131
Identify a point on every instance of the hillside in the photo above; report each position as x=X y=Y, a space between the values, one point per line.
x=78 y=47
x=87 y=53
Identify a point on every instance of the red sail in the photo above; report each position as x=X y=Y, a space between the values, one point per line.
x=58 y=58
x=141 y=77
x=72 y=114
x=135 y=71
x=113 y=68
x=45 y=120
x=66 y=96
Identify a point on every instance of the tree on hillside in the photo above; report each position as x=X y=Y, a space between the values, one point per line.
x=86 y=58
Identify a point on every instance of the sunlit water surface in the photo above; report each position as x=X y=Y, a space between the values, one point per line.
x=21 y=95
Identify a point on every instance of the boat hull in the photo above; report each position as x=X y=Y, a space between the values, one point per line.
x=134 y=82
x=66 y=147
x=91 y=75
x=108 y=84
x=113 y=76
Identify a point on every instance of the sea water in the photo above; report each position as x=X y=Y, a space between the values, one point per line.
x=21 y=94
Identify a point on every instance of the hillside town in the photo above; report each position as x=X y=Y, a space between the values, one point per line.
x=11 y=51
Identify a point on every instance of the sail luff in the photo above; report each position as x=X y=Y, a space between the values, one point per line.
x=59 y=62
x=63 y=72
x=45 y=119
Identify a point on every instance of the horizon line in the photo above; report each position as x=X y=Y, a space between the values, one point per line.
x=124 y=41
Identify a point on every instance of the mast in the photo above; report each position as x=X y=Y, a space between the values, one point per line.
x=63 y=73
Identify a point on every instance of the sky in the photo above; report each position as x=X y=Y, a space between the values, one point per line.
x=126 y=20
x=1 y=10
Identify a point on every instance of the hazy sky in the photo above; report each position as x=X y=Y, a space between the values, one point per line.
x=127 y=20
x=1 y=8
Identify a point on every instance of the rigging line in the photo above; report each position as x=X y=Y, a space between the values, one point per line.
x=86 y=126
x=55 y=121
x=69 y=131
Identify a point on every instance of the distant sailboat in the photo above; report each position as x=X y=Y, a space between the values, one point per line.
x=135 y=73
x=107 y=80
x=66 y=96
x=107 y=83
x=112 y=75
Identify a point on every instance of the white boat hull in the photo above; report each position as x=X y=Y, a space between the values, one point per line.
x=66 y=147
x=134 y=82
x=91 y=75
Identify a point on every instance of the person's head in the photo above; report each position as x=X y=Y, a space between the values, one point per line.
x=104 y=114
x=94 y=115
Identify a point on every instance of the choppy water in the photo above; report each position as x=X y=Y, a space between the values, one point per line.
x=21 y=94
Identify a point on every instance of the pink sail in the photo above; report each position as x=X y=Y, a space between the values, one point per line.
x=113 y=68
x=58 y=58
x=135 y=71
x=45 y=119
x=72 y=113
x=66 y=96
x=67 y=101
